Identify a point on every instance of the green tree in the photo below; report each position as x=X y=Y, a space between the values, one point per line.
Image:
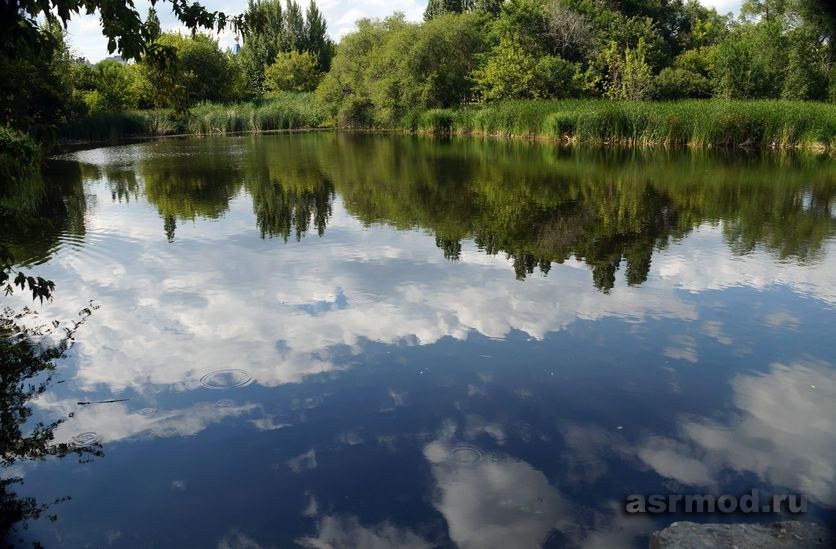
x=628 y=76
x=343 y=91
x=806 y=75
x=512 y=72
x=750 y=62
x=281 y=29
x=152 y=25
x=36 y=91
x=439 y=57
x=701 y=27
x=114 y=87
x=637 y=79
x=389 y=68
x=294 y=35
x=316 y=31
x=262 y=42
x=764 y=10
x=293 y=71
x=523 y=21
x=488 y=7
x=628 y=32
x=529 y=41
x=198 y=71
x=442 y=7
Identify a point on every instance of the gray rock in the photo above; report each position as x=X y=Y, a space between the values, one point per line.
x=690 y=535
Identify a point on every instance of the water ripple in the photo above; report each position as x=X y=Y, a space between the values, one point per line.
x=229 y=378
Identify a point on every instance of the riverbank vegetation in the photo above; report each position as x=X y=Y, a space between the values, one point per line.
x=640 y=72
x=282 y=111
x=695 y=123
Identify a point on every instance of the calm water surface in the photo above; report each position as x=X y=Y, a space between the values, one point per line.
x=356 y=340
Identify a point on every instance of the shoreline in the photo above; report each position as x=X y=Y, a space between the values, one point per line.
x=697 y=124
x=565 y=141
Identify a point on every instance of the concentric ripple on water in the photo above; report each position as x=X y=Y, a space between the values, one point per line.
x=226 y=379
x=363 y=298
x=465 y=455
x=86 y=439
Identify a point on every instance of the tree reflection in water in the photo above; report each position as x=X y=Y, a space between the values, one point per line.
x=536 y=204
x=28 y=351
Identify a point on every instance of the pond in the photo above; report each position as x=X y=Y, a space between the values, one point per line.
x=353 y=339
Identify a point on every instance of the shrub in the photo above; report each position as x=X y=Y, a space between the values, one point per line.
x=673 y=83
x=436 y=121
x=292 y=71
x=19 y=154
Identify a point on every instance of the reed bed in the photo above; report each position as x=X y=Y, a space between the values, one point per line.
x=695 y=123
x=280 y=112
x=708 y=123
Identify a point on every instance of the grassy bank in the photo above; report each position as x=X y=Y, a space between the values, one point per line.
x=703 y=124
x=284 y=112
x=708 y=123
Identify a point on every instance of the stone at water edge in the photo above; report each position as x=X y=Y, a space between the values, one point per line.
x=690 y=535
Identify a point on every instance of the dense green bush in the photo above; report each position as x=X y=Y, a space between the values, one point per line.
x=292 y=72
x=200 y=71
x=387 y=68
x=676 y=83
x=512 y=72
x=749 y=63
x=435 y=121
x=19 y=154
x=112 y=86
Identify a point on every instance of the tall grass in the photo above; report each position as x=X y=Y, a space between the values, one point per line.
x=713 y=123
x=279 y=112
x=696 y=123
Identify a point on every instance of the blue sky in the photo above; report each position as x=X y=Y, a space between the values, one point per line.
x=86 y=38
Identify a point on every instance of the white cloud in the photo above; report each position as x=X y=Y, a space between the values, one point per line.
x=783 y=430
x=723 y=6
x=335 y=531
x=500 y=501
x=493 y=503
x=113 y=422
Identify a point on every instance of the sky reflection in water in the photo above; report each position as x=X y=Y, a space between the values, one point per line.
x=348 y=339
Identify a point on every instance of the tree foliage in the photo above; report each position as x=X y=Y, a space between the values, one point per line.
x=292 y=71
x=110 y=86
x=197 y=71
x=281 y=29
x=388 y=68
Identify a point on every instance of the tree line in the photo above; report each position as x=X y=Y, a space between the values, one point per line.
x=284 y=49
x=485 y=50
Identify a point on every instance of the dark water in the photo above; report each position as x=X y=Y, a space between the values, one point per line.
x=381 y=341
